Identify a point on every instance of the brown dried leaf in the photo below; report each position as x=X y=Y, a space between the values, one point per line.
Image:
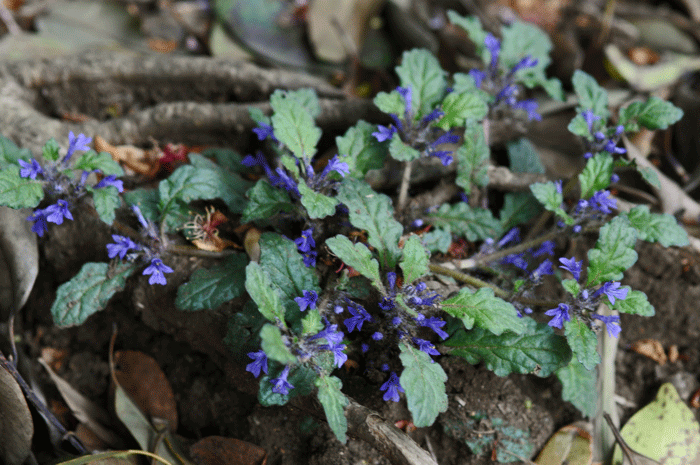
x=217 y=450
x=138 y=160
x=673 y=353
x=650 y=348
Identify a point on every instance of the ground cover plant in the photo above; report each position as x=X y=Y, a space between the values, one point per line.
x=339 y=272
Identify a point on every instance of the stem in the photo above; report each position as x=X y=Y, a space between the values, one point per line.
x=603 y=437
x=405 y=182
x=522 y=247
x=465 y=278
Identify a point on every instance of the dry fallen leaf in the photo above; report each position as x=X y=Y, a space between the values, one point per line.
x=650 y=348
x=673 y=353
x=217 y=450
x=138 y=160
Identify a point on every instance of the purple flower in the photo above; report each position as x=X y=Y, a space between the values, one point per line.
x=78 y=142
x=309 y=259
x=111 y=180
x=359 y=316
x=282 y=179
x=396 y=321
x=445 y=156
x=281 y=385
x=572 y=266
x=547 y=248
x=432 y=116
x=611 y=146
x=139 y=216
x=334 y=164
x=478 y=76
x=511 y=236
x=30 y=169
x=384 y=133
x=602 y=202
x=259 y=363
x=306 y=242
x=590 y=118
x=527 y=62
x=387 y=303
x=614 y=178
x=364 y=348
x=39 y=219
x=377 y=336
x=391 y=279
x=435 y=324
x=530 y=106
x=425 y=346
x=494 y=47
x=613 y=291
x=560 y=314
x=516 y=259
x=156 y=270
x=57 y=212
x=392 y=388
x=543 y=269
x=330 y=333
x=121 y=246
x=307 y=301
x=339 y=357
x=407 y=95
x=263 y=131
x=612 y=323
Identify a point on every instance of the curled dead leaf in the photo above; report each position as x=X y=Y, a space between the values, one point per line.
x=251 y=243
x=650 y=348
x=138 y=160
x=673 y=354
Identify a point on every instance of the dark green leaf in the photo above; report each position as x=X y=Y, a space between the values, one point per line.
x=400 y=151
x=421 y=71
x=88 y=292
x=424 y=383
x=653 y=227
x=523 y=157
x=579 y=387
x=360 y=149
x=636 y=303
x=260 y=288
x=414 y=263
x=333 y=401
x=106 y=201
x=102 y=161
x=438 y=240
x=294 y=126
x=614 y=252
x=186 y=184
x=596 y=175
x=226 y=158
x=590 y=95
x=461 y=107
x=473 y=223
x=316 y=205
x=538 y=350
x=473 y=159
x=273 y=345
x=518 y=208
x=265 y=201
x=485 y=310
x=357 y=256
x=583 y=342
x=231 y=187
x=19 y=192
x=50 y=150
x=10 y=153
x=301 y=377
x=209 y=288
x=652 y=114
x=146 y=200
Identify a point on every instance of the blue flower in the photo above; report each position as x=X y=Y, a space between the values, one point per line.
x=494 y=47
x=334 y=164
x=309 y=259
x=282 y=179
x=547 y=248
x=39 y=219
x=306 y=242
x=516 y=259
x=78 y=142
x=139 y=216
x=307 y=301
x=435 y=324
x=339 y=356
x=263 y=131
x=259 y=363
x=590 y=118
x=111 y=180
x=543 y=269
x=530 y=106
x=384 y=133
x=57 y=212
x=392 y=388
x=478 y=76
x=359 y=316
x=432 y=116
x=407 y=94
x=572 y=266
x=445 y=156
x=614 y=178
x=156 y=270
x=602 y=201
x=330 y=333
x=560 y=314
x=377 y=336
x=612 y=323
x=121 y=246
x=527 y=62
x=511 y=236
x=613 y=291
x=426 y=346
x=281 y=385
x=30 y=169
x=391 y=280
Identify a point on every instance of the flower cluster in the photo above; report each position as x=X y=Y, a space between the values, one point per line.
x=600 y=138
x=306 y=245
x=420 y=135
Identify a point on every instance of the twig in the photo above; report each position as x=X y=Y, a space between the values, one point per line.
x=9 y=20
x=405 y=182
x=465 y=278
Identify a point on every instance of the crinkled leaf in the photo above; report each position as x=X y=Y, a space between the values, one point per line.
x=301 y=377
x=438 y=240
x=306 y=98
x=333 y=402
x=259 y=287
x=374 y=213
x=521 y=39
x=652 y=114
x=400 y=151
x=414 y=263
x=472 y=25
x=463 y=82
x=265 y=201
x=106 y=201
x=636 y=303
x=473 y=223
x=421 y=71
x=583 y=342
x=294 y=126
x=649 y=175
x=485 y=310
x=578 y=127
x=360 y=149
x=146 y=200
x=538 y=350
x=553 y=88
x=186 y=184
x=257 y=115
x=613 y=253
x=273 y=345
x=311 y=323
x=10 y=153
x=461 y=107
x=596 y=175
x=291 y=164
x=88 y=292
x=231 y=187
x=473 y=160
x=571 y=286
x=656 y=227
x=209 y=288
x=50 y=150
x=424 y=383
x=102 y=161
x=523 y=157
x=550 y=197
x=518 y=208
x=590 y=95
x=579 y=387
x=357 y=256
x=19 y=192
x=317 y=205
x=391 y=103
x=226 y=158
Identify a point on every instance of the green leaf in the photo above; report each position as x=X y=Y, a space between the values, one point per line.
x=649 y=175
x=10 y=153
x=306 y=98
x=655 y=227
x=652 y=114
x=259 y=287
x=463 y=82
x=146 y=200
x=579 y=387
x=590 y=95
x=473 y=160
x=583 y=342
x=400 y=151
x=579 y=127
x=88 y=292
x=461 y=107
x=424 y=383
x=549 y=195
x=102 y=161
x=209 y=288
x=274 y=346
x=106 y=201
x=231 y=187
x=294 y=126
x=596 y=175
x=538 y=350
x=333 y=401
x=19 y=192
x=186 y=184
x=523 y=157
x=301 y=377
x=421 y=71
x=571 y=286
x=477 y=34
x=438 y=240
x=374 y=213
x=257 y=115
x=521 y=39
x=357 y=256
x=226 y=158
x=485 y=310
x=473 y=223
x=636 y=303
x=518 y=207
x=614 y=252
x=265 y=201
x=316 y=205
x=311 y=323
x=414 y=263
x=391 y=103
x=50 y=150
x=553 y=88
x=360 y=149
